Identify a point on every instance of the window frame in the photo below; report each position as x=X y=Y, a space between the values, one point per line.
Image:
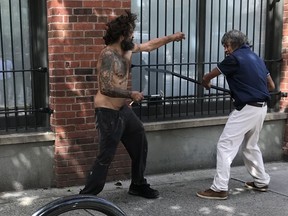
x=29 y=118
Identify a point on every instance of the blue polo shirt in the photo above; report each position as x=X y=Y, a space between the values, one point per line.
x=246 y=74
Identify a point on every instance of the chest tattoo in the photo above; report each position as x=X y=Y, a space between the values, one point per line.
x=113 y=68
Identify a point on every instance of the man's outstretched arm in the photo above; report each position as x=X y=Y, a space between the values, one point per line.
x=158 y=42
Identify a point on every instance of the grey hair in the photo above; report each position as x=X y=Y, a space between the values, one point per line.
x=235 y=39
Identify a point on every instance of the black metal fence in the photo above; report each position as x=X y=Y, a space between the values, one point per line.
x=173 y=95
x=23 y=49
x=21 y=83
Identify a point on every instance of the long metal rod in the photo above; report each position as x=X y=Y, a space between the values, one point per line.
x=282 y=94
x=22 y=64
x=193 y=63
x=40 y=69
x=3 y=60
x=186 y=78
x=40 y=110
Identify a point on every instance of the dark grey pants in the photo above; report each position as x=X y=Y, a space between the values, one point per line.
x=115 y=126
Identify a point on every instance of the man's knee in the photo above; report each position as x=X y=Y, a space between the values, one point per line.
x=105 y=160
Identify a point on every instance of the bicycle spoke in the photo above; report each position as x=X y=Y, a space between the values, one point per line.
x=88 y=211
x=82 y=212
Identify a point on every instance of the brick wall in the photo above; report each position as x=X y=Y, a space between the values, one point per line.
x=75 y=31
x=284 y=74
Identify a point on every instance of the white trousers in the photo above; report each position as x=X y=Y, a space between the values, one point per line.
x=243 y=127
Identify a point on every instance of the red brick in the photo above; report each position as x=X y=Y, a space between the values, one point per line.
x=85 y=127
x=72 y=4
x=85 y=113
x=91 y=4
x=66 y=115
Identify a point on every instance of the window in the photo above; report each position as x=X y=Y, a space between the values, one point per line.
x=15 y=55
x=22 y=52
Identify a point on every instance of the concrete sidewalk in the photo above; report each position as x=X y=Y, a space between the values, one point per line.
x=178 y=197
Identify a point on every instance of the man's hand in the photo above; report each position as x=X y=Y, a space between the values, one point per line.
x=178 y=36
x=137 y=96
x=158 y=42
x=206 y=83
x=207 y=77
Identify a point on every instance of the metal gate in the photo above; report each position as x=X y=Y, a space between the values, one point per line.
x=204 y=22
x=22 y=75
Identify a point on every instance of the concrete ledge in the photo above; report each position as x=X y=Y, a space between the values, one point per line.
x=191 y=144
x=18 y=138
x=200 y=122
x=27 y=160
x=22 y=138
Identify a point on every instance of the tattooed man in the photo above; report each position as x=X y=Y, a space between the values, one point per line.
x=114 y=119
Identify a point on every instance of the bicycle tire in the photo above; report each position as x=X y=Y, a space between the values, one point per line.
x=77 y=202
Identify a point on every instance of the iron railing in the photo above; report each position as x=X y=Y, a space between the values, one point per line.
x=23 y=87
x=172 y=95
x=14 y=117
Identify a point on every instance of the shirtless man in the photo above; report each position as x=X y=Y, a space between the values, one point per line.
x=114 y=119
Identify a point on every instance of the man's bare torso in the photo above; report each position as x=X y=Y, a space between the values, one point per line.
x=113 y=72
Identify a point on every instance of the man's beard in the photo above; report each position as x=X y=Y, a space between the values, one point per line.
x=127 y=44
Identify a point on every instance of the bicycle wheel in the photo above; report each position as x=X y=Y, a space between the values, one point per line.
x=80 y=205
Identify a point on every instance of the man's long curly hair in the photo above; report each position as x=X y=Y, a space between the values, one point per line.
x=123 y=25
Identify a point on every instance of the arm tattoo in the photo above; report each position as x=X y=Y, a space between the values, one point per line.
x=113 y=69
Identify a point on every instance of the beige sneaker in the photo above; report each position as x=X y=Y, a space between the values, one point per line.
x=251 y=185
x=210 y=194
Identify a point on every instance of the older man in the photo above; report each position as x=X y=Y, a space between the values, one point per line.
x=249 y=82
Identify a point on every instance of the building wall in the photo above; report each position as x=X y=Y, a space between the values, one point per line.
x=191 y=144
x=26 y=161
x=75 y=31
